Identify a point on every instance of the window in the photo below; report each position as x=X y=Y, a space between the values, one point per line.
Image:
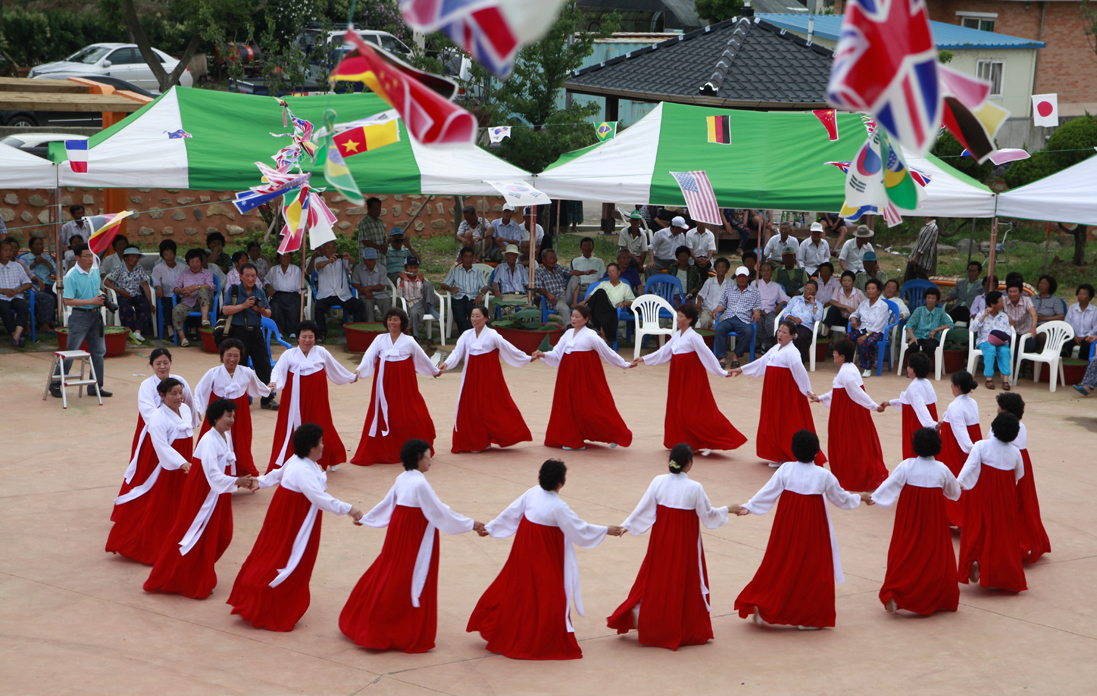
x=991 y=71
x=983 y=21
x=123 y=56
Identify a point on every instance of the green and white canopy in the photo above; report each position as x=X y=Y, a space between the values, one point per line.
x=776 y=160
x=229 y=132
x=19 y=170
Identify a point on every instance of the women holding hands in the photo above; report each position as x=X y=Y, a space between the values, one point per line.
x=918 y=403
x=237 y=383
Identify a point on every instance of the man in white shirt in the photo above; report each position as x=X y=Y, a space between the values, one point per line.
x=504 y=231
x=80 y=225
x=587 y=268
x=372 y=283
x=779 y=244
x=511 y=277
x=853 y=251
x=712 y=291
x=814 y=250
x=524 y=232
x=1082 y=317
x=774 y=299
x=472 y=232
x=283 y=287
x=702 y=245
x=333 y=287
x=633 y=240
x=663 y=245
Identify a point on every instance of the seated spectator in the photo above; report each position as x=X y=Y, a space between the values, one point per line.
x=780 y=243
x=629 y=274
x=664 y=243
x=991 y=327
x=333 y=286
x=233 y=276
x=773 y=299
x=687 y=275
x=804 y=311
x=215 y=242
x=828 y=284
x=891 y=292
x=633 y=241
x=980 y=303
x=510 y=278
x=555 y=284
x=283 y=286
x=40 y=268
x=791 y=277
x=843 y=302
x=79 y=226
x=504 y=231
x=1089 y=380
x=194 y=288
x=523 y=230
x=467 y=287
x=750 y=262
x=737 y=229
x=868 y=323
x=69 y=259
x=607 y=298
x=586 y=268
x=419 y=294
x=118 y=246
x=131 y=284
x=371 y=281
x=833 y=224
x=736 y=313
x=927 y=325
x=702 y=245
x=397 y=254
x=473 y=232
x=711 y=292
x=814 y=250
x=1022 y=315
x=164 y=276
x=871 y=271
x=1083 y=319
x=14 y=283
x=965 y=292
x=1048 y=307
x=261 y=263
x=213 y=268
x=852 y=255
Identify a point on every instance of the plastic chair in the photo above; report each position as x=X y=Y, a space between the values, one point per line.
x=314 y=282
x=814 y=336
x=974 y=354
x=271 y=329
x=66 y=310
x=664 y=285
x=1058 y=333
x=646 y=312
x=214 y=309
x=913 y=293
x=733 y=340
x=938 y=353
x=622 y=314
x=884 y=346
x=32 y=301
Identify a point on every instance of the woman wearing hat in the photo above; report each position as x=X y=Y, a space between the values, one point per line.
x=131 y=283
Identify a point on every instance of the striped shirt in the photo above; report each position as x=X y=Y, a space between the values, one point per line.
x=468 y=282
x=511 y=279
x=12 y=275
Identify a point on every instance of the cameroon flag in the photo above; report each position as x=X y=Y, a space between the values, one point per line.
x=719 y=129
x=366 y=137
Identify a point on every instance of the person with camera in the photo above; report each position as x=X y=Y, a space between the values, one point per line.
x=82 y=293
x=245 y=307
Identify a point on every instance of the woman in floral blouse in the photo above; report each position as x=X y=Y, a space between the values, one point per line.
x=132 y=285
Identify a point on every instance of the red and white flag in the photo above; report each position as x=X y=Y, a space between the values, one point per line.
x=77 y=152
x=699 y=196
x=1045 y=110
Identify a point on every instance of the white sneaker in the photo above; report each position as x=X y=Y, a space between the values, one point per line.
x=775 y=465
x=575 y=449
x=706 y=452
x=866 y=373
x=809 y=628
x=890 y=606
x=138 y=337
x=333 y=468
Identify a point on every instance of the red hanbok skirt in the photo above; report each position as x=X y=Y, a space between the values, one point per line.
x=991 y=533
x=582 y=405
x=921 y=573
x=785 y=411
x=142 y=524
x=486 y=413
x=692 y=415
x=277 y=608
x=795 y=583
x=408 y=417
x=667 y=591
x=241 y=435
x=521 y=615
x=146 y=464
x=137 y=434
x=954 y=458
x=193 y=575
x=856 y=459
x=379 y=614
x=314 y=409
x=911 y=424
x=1034 y=541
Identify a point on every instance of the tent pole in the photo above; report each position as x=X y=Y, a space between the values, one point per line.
x=58 y=259
x=532 y=246
x=970 y=242
x=1047 y=245
x=418 y=213
x=993 y=250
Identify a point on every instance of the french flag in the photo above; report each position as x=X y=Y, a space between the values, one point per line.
x=77 y=151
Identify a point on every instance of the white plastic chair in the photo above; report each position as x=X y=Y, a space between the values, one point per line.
x=938 y=354
x=1058 y=334
x=973 y=353
x=645 y=312
x=814 y=336
x=66 y=310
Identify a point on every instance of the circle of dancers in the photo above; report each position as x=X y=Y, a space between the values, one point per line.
x=174 y=508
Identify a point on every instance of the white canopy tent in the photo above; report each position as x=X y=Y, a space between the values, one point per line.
x=1066 y=196
x=22 y=170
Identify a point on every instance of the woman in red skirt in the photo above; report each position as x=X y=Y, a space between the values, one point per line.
x=302 y=375
x=1034 y=540
x=203 y=527
x=921 y=573
x=525 y=613
x=237 y=383
x=853 y=446
x=144 y=515
x=918 y=403
x=692 y=415
x=795 y=583
x=582 y=405
x=669 y=602
x=990 y=538
x=785 y=392
x=394 y=606
x=960 y=430
x=272 y=588
x=485 y=411
x=397 y=411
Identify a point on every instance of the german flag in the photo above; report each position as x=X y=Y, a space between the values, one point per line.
x=366 y=137
x=719 y=129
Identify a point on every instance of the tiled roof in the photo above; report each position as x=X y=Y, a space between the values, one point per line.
x=742 y=62
x=946 y=36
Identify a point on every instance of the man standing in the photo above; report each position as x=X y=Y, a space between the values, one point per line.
x=246 y=305
x=854 y=250
x=85 y=323
x=779 y=244
x=702 y=245
x=14 y=282
x=372 y=233
x=473 y=232
x=371 y=281
x=869 y=269
x=504 y=231
x=587 y=268
x=814 y=250
x=398 y=252
x=511 y=277
x=466 y=286
x=923 y=259
x=663 y=245
x=739 y=307
x=333 y=288
x=964 y=293
x=555 y=284
x=633 y=240
x=80 y=225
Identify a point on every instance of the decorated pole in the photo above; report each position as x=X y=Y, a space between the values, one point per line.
x=532 y=247
x=993 y=251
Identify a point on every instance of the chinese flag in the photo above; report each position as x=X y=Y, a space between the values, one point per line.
x=365 y=138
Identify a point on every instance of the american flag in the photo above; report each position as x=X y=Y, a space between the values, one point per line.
x=178 y=134
x=699 y=196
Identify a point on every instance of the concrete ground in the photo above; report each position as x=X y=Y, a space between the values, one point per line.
x=74 y=620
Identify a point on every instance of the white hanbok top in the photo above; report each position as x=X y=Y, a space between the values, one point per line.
x=849 y=378
x=688 y=341
x=921 y=472
x=584 y=339
x=992 y=452
x=411 y=489
x=546 y=508
x=218 y=381
x=918 y=395
x=215 y=454
x=294 y=362
x=148 y=399
x=962 y=412
x=304 y=476
x=806 y=479
x=164 y=429
x=384 y=350
x=470 y=344
x=787 y=357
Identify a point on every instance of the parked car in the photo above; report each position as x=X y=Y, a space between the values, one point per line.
x=84 y=119
x=122 y=61
x=332 y=40
x=38 y=143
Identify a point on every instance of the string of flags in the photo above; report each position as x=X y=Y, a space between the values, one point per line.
x=497 y=133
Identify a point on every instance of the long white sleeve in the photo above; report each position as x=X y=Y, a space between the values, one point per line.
x=214 y=468
x=459 y=352
x=422 y=362
x=888 y=491
x=711 y=517
x=337 y=374
x=969 y=474
x=581 y=533
x=663 y=354
x=203 y=391
x=312 y=490
x=381 y=514
x=851 y=381
x=271 y=478
x=255 y=385
x=764 y=500
x=950 y=485
x=963 y=437
x=553 y=357
x=147 y=399
x=758 y=367
x=800 y=373
x=643 y=517
x=706 y=356
x=439 y=514
x=506 y=524
x=280 y=373
x=166 y=455
x=839 y=496
x=508 y=353
x=610 y=356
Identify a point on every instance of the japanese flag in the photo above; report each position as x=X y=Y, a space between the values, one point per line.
x=1045 y=110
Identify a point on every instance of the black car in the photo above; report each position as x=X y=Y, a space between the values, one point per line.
x=83 y=119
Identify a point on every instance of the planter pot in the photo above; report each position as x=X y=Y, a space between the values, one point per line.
x=1073 y=371
x=208 y=344
x=528 y=341
x=822 y=350
x=114 y=336
x=709 y=335
x=955 y=360
x=361 y=334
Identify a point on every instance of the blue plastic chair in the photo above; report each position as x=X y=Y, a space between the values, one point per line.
x=622 y=314
x=33 y=317
x=314 y=282
x=214 y=309
x=546 y=310
x=914 y=293
x=753 y=333
x=884 y=346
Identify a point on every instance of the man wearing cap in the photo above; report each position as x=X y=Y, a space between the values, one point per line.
x=923 y=257
x=523 y=231
x=854 y=250
x=663 y=245
x=779 y=243
x=332 y=288
x=814 y=250
x=633 y=240
x=371 y=281
x=504 y=231
x=586 y=268
x=467 y=287
x=418 y=293
x=702 y=245
x=130 y=282
x=871 y=270
x=371 y=231
x=473 y=232
x=283 y=288
x=398 y=252
x=739 y=308
x=791 y=277
x=510 y=277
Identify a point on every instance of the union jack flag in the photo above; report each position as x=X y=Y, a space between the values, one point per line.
x=174 y=135
x=699 y=196
x=886 y=64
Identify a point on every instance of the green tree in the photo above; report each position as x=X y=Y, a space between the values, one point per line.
x=713 y=11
